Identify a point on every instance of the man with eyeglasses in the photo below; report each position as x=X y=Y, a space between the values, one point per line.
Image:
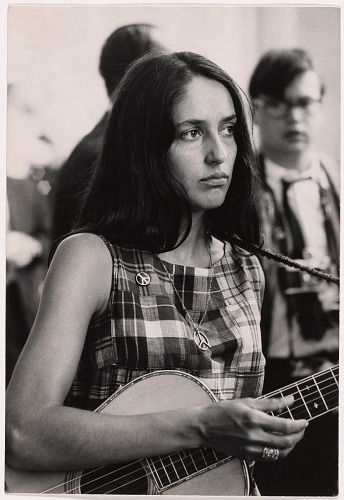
x=299 y=208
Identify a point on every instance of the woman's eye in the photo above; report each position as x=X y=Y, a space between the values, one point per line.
x=228 y=130
x=189 y=135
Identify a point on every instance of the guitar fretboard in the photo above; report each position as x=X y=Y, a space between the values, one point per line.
x=313 y=396
x=172 y=469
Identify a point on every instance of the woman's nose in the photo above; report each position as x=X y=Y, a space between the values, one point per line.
x=216 y=152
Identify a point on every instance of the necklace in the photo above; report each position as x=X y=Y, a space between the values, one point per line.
x=199 y=337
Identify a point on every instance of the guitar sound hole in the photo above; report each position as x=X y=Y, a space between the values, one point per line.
x=125 y=478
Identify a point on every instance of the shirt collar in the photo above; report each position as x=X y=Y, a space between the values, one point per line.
x=275 y=172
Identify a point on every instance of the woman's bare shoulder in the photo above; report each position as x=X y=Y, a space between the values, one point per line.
x=83 y=260
x=88 y=248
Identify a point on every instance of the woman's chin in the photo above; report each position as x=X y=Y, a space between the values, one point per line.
x=210 y=205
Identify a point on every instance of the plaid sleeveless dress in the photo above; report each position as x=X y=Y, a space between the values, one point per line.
x=143 y=328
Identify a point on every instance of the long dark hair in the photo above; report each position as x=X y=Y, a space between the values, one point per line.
x=134 y=199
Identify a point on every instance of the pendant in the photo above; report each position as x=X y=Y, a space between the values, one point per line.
x=201 y=339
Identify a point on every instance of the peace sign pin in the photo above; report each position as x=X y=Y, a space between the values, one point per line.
x=142 y=278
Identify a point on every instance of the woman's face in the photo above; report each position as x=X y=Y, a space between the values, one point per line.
x=203 y=152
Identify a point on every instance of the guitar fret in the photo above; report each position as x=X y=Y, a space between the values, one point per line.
x=168 y=469
x=289 y=414
x=304 y=402
x=179 y=466
x=154 y=472
x=214 y=455
x=315 y=404
x=298 y=409
x=183 y=464
x=288 y=409
x=161 y=472
x=209 y=457
x=325 y=384
x=192 y=463
x=315 y=382
x=174 y=468
x=333 y=375
x=201 y=463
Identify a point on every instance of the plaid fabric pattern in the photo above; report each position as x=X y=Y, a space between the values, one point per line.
x=144 y=329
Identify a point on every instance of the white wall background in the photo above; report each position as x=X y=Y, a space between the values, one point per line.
x=53 y=53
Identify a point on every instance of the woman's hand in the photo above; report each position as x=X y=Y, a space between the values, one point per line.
x=243 y=429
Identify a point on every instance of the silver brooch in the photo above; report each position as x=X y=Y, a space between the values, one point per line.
x=142 y=278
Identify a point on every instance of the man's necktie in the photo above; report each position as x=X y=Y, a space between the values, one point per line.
x=302 y=302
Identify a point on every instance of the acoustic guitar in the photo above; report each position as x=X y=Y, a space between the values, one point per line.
x=190 y=472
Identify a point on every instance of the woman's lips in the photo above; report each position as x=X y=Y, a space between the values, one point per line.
x=215 y=180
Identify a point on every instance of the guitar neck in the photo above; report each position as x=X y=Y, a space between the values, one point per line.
x=171 y=469
x=314 y=396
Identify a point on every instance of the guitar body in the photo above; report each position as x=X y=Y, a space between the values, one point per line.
x=193 y=472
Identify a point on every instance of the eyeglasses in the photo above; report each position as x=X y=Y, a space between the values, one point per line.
x=279 y=108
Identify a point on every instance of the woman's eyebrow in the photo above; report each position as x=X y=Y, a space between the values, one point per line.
x=196 y=121
x=230 y=118
x=190 y=121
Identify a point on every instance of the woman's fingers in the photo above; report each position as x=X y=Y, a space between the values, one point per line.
x=283 y=441
x=276 y=405
x=244 y=428
x=277 y=424
x=284 y=444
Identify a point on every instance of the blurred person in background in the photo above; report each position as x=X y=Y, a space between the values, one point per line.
x=299 y=212
x=30 y=177
x=120 y=49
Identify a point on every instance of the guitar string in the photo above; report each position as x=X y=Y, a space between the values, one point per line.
x=333 y=380
x=311 y=380
x=319 y=391
x=122 y=468
x=100 y=477
x=304 y=380
x=333 y=383
x=92 y=471
x=194 y=460
x=302 y=406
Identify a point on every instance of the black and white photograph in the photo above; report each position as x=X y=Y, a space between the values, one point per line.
x=172 y=179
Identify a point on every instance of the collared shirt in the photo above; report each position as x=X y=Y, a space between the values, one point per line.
x=304 y=198
x=285 y=338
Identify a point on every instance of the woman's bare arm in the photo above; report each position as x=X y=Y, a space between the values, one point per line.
x=42 y=434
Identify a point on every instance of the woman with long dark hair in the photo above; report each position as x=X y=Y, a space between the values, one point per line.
x=155 y=279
